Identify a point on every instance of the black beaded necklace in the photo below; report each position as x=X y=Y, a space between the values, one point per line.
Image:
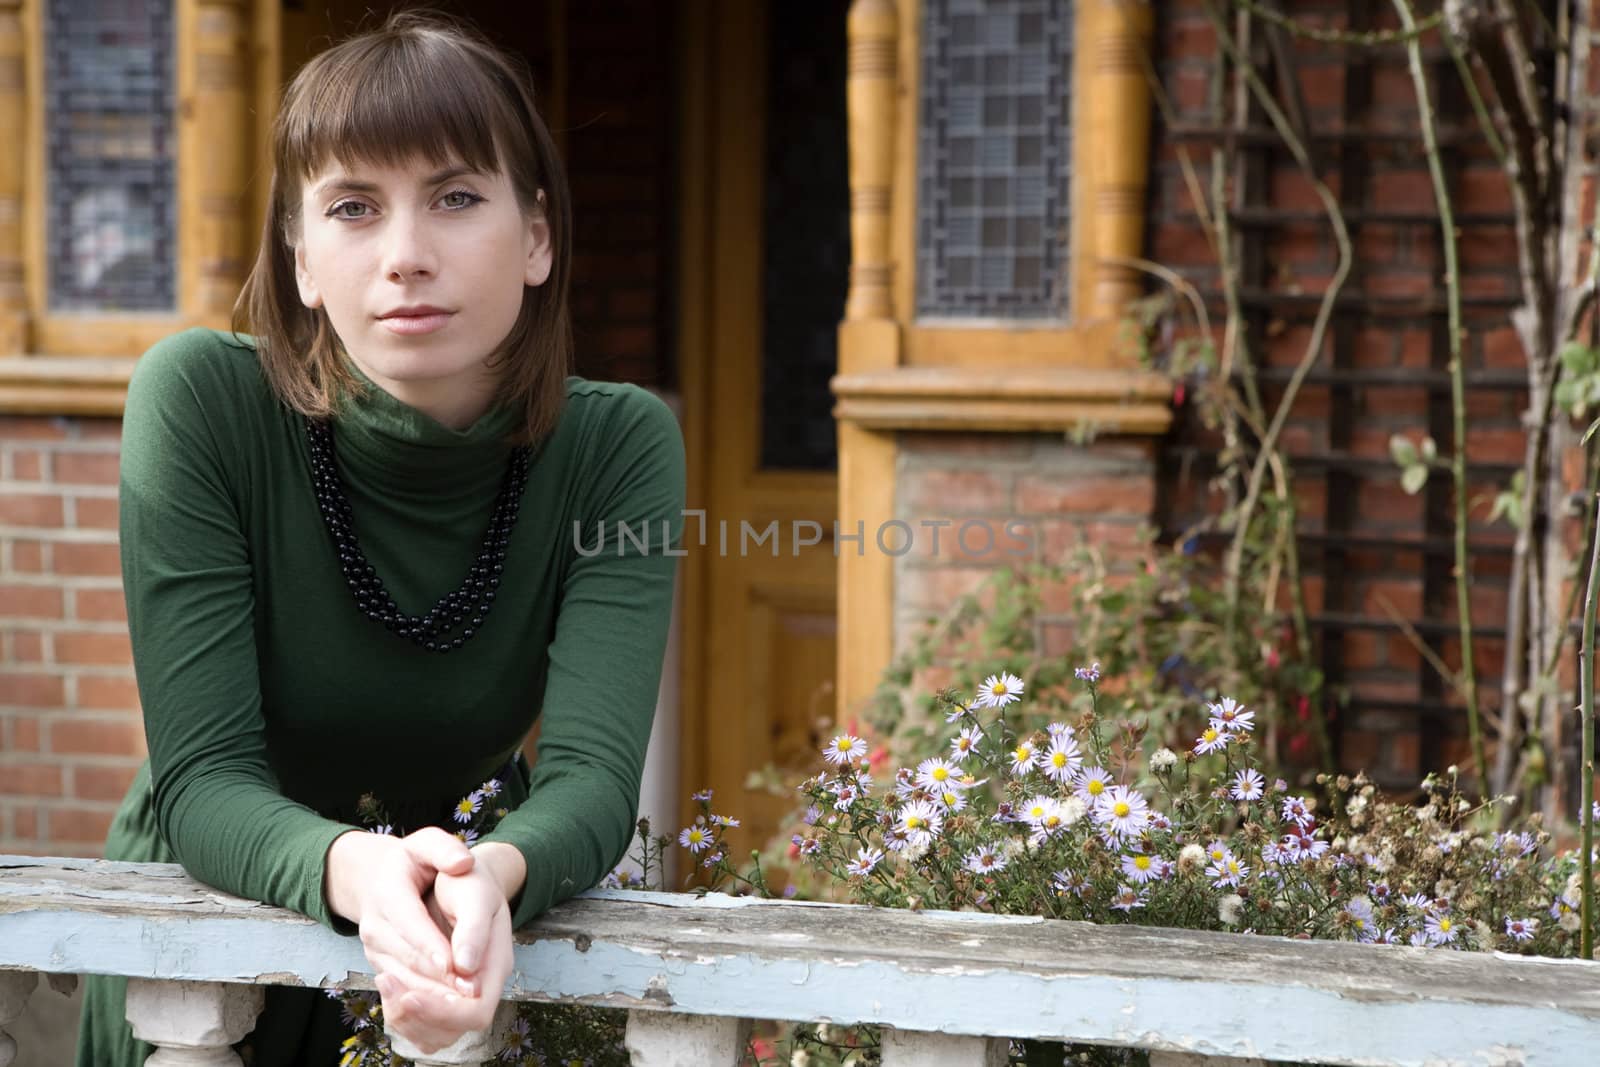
x=467 y=606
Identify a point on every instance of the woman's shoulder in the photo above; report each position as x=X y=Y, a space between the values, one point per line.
x=617 y=411
x=212 y=367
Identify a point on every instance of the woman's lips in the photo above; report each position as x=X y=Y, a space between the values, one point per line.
x=411 y=325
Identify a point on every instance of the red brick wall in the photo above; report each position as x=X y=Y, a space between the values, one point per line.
x=1054 y=493
x=70 y=732
x=1394 y=261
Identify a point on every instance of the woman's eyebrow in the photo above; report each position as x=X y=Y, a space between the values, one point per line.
x=344 y=183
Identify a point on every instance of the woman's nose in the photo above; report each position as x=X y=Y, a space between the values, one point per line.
x=408 y=248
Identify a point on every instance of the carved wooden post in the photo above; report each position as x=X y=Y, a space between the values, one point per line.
x=909 y=1048
x=13 y=169
x=14 y=989
x=220 y=158
x=1120 y=98
x=870 y=99
x=664 y=1039
x=469 y=1050
x=192 y=1024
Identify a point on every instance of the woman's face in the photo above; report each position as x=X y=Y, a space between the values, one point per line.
x=421 y=269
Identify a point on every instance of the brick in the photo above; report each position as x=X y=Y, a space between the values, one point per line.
x=86 y=468
x=97 y=737
x=25 y=822
x=95 y=512
x=994 y=539
x=28 y=465
x=30 y=601
x=1404 y=595
x=79 y=558
x=937 y=446
x=1486 y=445
x=1133 y=496
x=1358 y=750
x=30 y=779
x=96 y=782
x=33 y=428
x=935 y=589
x=31 y=689
x=24 y=733
x=27 y=557
x=99 y=429
x=936 y=494
x=98 y=692
x=30 y=509
x=1401 y=190
x=79 y=825
x=1482 y=190
x=1402 y=755
x=1502 y=348
x=99 y=605
x=110 y=650
x=27 y=646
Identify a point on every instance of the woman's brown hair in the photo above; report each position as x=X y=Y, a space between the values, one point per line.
x=420 y=86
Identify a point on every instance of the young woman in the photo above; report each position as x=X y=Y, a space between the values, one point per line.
x=350 y=559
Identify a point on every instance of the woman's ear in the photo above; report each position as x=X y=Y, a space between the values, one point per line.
x=310 y=294
x=541 y=252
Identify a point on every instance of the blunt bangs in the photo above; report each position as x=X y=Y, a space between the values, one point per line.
x=423 y=86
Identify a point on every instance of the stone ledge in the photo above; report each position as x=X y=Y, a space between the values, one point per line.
x=1005 y=400
x=64 y=385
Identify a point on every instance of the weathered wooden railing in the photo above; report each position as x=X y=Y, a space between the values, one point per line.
x=948 y=987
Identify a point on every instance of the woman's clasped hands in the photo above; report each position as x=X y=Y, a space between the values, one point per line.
x=435 y=925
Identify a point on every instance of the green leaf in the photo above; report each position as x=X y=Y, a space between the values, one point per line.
x=1590 y=431
x=1412 y=479
x=1430 y=451
x=1403 y=451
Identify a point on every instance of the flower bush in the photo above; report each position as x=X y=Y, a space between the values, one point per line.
x=1077 y=820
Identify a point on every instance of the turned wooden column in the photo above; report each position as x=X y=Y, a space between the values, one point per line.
x=13 y=169
x=192 y=1024
x=469 y=1050
x=870 y=99
x=221 y=128
x=14 y=989
x=666 y=1039
x=1120 y=128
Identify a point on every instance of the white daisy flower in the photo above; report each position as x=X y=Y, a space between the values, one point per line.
x=1127 y=899
x=704 y=796
x=1521 y=929
x=491 y=788
x=984 y=860
x=467 y=837
x=1141 y=867
x=1163 y=760
x=1069 y=881
x=965 y=743
x=1358 y=914
x=1439 y=929
x=1248 y=785
x=1088 y=674
x=998 y=690
x=1062 y=760
x=1023 y=758
x=1036 y=808
x=1296 y=811
x=1230 y=715
x=951 y=801
x=938 y=774
x=696 y=838
x=1060 y=729
x=844 y=748
x=1092 y=784
x=921 y=822
x=1213 y=740
x=467 y=807
x=1121 y=811
x=1227 y=870
x=724 y=820
x=866 y=859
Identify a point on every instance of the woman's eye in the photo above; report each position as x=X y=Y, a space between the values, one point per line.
x=463 y=198
x=338 y=210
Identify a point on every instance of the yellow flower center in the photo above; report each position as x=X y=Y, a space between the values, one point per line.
x=1095 y=787
x=1210 y=734
x=1233 y=866
x=1361 y=924
x=1059 y=759
x=1444 y=926
x=1216 y=855
x=1142 y=862
x=845 y=745
x=940 y=774
x=999 y=689
x=1052 y=821
x=696 y=836
x=1121 y=809
x=914 y=822
x=949 y=799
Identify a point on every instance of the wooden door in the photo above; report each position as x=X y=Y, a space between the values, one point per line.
x=764 y=255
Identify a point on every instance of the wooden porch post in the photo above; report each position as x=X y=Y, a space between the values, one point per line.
x=13 y=167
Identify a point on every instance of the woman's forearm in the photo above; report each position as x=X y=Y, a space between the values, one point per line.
x=506 y=864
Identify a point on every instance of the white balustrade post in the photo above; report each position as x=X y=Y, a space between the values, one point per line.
x=14 y=989
x=192 y=1024
x=913 y=1048
x=1195 y=1059
x=469 y=1050
x=667 y=1039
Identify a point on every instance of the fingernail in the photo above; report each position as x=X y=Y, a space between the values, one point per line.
x=469 y=962
x=467 y=989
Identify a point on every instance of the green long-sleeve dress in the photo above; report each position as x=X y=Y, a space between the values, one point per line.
x=272 y=703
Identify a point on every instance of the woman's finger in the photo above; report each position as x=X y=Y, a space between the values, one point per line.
x=401 y=1016
x=444 y=852
x=406 y=929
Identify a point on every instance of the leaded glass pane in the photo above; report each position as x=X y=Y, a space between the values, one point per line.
x=994 y=159
x=111 y=153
